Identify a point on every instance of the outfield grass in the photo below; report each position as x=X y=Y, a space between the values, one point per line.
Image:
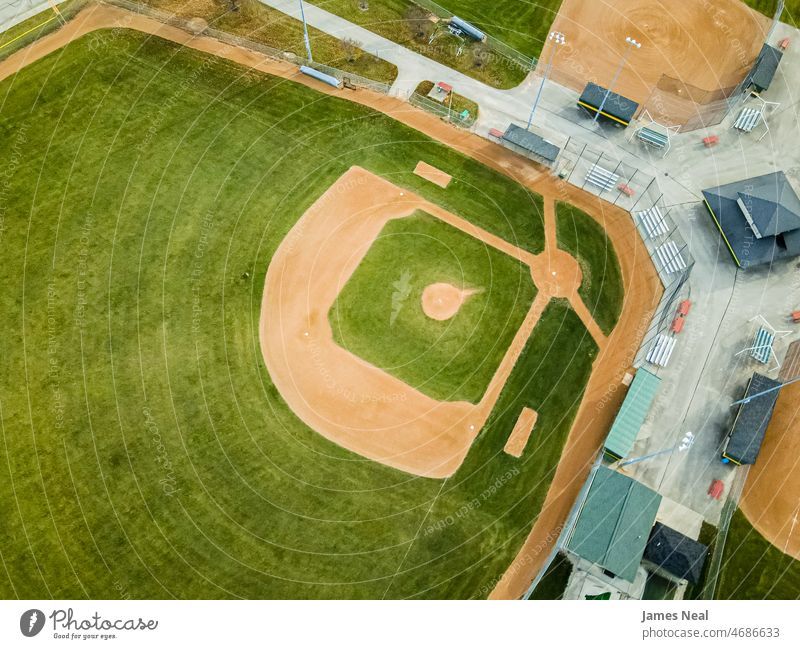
x=554 y=581
x=378 y=315
x=261 y=24
x=791 y=12
x=394 y=20
x=146 y=453
x=753 y=568
x=601 y=287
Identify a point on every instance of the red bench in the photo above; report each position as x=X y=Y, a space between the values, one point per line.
x=625 y=189
x=677 y=324
x=496 y=133
x=784 y=43
x=711 y=140
x=716 y=489
x=684 y=308
x=796 y=316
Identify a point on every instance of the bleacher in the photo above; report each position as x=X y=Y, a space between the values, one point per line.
x=661 y=351
x=601 y=178
x=670 y=257
x=652 y=137
x=762 y=345
x=747 y=120
x=653 y=222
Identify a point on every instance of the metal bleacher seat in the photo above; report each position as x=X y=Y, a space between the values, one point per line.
x=762 y=345
x=661 y=351
x=653 y=222
x=652 y=137
x=747 y=119
x=670 y=257
x=602 y=178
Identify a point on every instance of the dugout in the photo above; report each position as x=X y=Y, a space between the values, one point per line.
x=631 y=415
x=617 y=110
x=531 y=145
x=675 y=554
x=760 y=76
x=744 y=441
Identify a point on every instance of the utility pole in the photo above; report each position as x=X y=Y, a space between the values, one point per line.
x=631 y=44
x=557 y=38
x=305 y=32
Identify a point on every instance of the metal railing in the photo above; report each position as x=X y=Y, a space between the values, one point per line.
x=452 y=116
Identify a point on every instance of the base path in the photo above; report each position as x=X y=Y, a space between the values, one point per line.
x=642 y=287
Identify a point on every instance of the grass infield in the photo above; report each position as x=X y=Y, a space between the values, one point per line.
x=378 y=315
x=146 y=453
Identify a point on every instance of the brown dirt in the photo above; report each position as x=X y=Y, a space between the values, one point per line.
x=708 y=44
x=642 y=288
x=441 y=301
x=432 y=174
x=771 y=497
x=522 y=431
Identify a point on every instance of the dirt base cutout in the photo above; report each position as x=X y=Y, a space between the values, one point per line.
x=522 y=431
x=432 y=174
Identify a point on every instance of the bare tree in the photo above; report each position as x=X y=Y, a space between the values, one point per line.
x=351 y=49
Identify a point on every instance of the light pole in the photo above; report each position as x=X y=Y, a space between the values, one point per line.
x=685 y=445
x=557 y=38
x=631 y=44
x=305 y=32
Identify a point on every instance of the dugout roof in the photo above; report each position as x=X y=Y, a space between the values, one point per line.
x=675 y=553
x=762 y=73
x=759 y=218
x=617 y=108
x=750 y=426
x=614 y=523
x=632 y=414
x=531 y=142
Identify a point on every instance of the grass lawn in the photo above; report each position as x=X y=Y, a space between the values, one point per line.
x=554 y=581
x=791 y=12
x=601 y=287
x=458 y=105
x=378 y=315
x=753 y=568
x=146 y=453
x=271 y=27
x=403 y=22
x=35 y=27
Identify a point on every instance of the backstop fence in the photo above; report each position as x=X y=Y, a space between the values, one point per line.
x=349 y=79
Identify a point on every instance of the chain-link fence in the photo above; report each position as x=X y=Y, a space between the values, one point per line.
x=441 y=110
x=349 y=79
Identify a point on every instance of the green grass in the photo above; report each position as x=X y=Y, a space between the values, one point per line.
x=554 y=581
x=393 y=20
x=261 y=24
x=146 y=452
x=456 y=103
x=791 y=12
x=753 y=568
x=33 y=28
x=601 y=287
x=378 y=315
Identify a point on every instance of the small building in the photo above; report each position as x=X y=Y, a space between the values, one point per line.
x=747 y=434
x=614 y=523
x=676 y=554
x=763 y=71
x=632 y=414
x=530 y=144
x=617 y=109
x=759 y=218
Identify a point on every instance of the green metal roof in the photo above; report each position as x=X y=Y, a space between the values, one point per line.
x=614 y=523
x=632 y=414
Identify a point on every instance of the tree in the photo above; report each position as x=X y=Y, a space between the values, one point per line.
x=351 y=49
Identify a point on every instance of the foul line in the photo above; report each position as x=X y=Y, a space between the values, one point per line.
x=33 y=29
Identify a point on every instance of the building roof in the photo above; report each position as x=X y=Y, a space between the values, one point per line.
x=616 y=107
x=445 y=86
x=614 y=523
x=677 y=554
x=766 y=65
x=632 y=414
x=531 y=142
x=758 y=217
x=750 y=426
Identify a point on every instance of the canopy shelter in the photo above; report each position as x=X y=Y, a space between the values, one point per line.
x=614 y=523
x=632 y=414
x=617 y=109
x=758 y=218
x=747 y=434
x=654 y=134
x=676 y=554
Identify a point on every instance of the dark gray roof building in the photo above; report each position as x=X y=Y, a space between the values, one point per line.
x=531 y=144
x=759 y=218
x=762 y=73
x=676 y=553
x=750 y=426
x=617 y=109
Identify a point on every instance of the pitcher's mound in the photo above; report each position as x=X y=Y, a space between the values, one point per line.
x=442 y=301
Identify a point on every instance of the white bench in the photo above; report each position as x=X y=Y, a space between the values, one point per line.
x=653 y=222
x=661 y=351
x=602 y=178
x=670 y=257
x=747 y=120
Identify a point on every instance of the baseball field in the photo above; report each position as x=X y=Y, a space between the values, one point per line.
x=157 y=204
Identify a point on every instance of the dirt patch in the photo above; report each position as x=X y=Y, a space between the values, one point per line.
x=432 y=174
x=642 y=287
x=522 y=431
x=441 y=301
x=771 y=497
x=710 y=45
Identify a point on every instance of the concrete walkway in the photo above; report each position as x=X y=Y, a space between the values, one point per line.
x=13 y=12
